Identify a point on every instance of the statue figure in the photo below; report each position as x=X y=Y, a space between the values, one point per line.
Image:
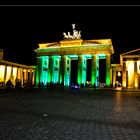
x=73 y=26
x=69 y=36
x=79 y=35
x=65 y=36
x=76 y=34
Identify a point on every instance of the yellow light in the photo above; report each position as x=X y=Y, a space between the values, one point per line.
x=130 y=74
x=8 y=74
x=2 y=71
x=14 y=74
x=118 y=88
x=119 y=73
x=66 y=43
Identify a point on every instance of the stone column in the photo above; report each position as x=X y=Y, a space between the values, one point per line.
x=21 y=76
x=67 y=71
x=12 y=76
x=124 y=74
x=114 y=77
x=12 y=73
x=81 y=77
x=93 y=69
x=108 y=81
x=25 y=76
x=50 y=69
x=135 y=75
x=5 y=74
x=111 y=74
x=2 y=72
x=33 y=77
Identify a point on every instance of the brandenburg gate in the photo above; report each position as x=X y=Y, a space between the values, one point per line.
x=54 y=59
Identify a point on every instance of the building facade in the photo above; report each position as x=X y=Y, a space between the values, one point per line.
x=129 y=70
x=54 y=59
x=54 y=62
x=16 y=72
x=130 y=63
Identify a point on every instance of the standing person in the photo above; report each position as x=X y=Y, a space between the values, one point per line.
x=94 y=86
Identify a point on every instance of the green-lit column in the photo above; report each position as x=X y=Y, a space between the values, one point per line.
x=81 y=78
x=55 y=70
x=84 y=70
x=50 y=69
x=97 y=70
x=108 y=66
x=64 y=77
x=44 y=69
x=41 y=70
x=93 y=69
x=67 y=71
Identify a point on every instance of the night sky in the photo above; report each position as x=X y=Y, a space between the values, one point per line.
x=23 y=27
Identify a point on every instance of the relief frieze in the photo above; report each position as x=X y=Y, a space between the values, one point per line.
x=72 y=50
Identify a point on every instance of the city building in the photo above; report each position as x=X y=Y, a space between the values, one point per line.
x=54 y=64
x=15 y=72
x=54 y=59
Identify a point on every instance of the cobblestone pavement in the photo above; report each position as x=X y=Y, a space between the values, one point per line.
x=69 y=115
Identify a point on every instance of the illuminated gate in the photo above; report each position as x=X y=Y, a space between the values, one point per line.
x=54 y=59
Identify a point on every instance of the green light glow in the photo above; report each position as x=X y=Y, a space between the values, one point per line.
x=101 y=56
x=55 y=72
x=93 y=70
x=73 y=56
x=81 y=79
x=43 y=66
x=88 y=56
x=108 y=80
x=67 y=64
x=60 y=80
x=97 y=71
x=50 y=69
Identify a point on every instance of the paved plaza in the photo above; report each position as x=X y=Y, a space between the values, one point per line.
x=56 y=114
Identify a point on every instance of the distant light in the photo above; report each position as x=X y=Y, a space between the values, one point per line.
x=118 y=88
x=119 y=73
